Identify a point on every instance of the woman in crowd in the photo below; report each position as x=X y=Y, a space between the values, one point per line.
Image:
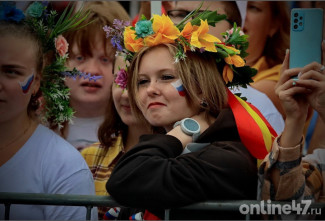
x=236 y=12
x=285 y=166
x=91 y=52
x=119 y=132
x=267 y=24
x=34 y=159
x=175 y=83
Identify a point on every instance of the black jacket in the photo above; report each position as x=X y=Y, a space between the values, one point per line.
x=154 y=175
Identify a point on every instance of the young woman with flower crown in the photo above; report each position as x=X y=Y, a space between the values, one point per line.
x=34 y=159
x=207 y=152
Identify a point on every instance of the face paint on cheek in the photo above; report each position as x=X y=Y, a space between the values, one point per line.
x=179 y=87
x=27 y=83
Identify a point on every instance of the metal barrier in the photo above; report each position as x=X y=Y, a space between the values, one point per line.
x=90 y=201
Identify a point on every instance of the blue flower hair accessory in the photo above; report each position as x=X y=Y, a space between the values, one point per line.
x=49 y=29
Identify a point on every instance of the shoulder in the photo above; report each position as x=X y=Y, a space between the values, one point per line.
x=56 y=149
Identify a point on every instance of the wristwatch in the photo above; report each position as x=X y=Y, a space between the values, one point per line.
x=190 y=127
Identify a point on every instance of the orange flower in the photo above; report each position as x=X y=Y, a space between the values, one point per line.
x=187 y=33
x=164 y=29
x=235 y=60
x=130 y=43
x=227 y=74
x=201 y=39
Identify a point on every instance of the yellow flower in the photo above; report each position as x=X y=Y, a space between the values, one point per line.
x=130 y=43
x=235 y=60
x=164 y=29
x=201 y=39
x=227 y=74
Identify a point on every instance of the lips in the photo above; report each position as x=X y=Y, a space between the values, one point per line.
x=155 y=105
x=91 y=84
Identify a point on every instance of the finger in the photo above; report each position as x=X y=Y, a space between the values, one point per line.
x=323 y=52
x=293 y=92
x=285 y=64
x=285 y=86
x=312 y=66
x=287 y=75
x=313 y=75
x=311 y=84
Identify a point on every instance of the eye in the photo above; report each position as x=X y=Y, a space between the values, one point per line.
x=254 y=8
x=178 y=13
x=105 y=60
x=11 y=72
x=80 y=58
x=142 y=82
x=167 y=77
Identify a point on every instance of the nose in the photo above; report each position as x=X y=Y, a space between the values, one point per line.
x=92 y=66
x=153 y=89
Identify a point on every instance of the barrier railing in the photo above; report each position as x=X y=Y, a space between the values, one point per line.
x=89 y=202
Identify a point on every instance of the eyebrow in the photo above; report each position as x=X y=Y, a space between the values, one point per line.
x=14 y=66
x=161 y=71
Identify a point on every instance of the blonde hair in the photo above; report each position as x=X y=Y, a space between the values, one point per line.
x=199 y=74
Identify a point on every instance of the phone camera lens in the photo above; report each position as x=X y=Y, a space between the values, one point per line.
x=296 y=14
x=300 y=17
x=296 y=20
x=295 y=26
x=300 y=23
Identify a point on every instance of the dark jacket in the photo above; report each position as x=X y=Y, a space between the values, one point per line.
x=154 y=175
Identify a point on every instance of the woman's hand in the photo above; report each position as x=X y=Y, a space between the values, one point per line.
x=290 y=93
x=313 y=78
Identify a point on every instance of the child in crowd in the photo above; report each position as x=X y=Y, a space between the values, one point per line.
x=91 y=52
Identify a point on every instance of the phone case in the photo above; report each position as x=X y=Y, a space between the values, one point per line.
x=306 y=32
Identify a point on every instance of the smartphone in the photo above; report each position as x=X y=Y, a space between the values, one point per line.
x=306 y=30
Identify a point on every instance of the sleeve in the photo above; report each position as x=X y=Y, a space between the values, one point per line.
x=64 y=171
x=154 y=174
x=297 y=178
x=79 y=183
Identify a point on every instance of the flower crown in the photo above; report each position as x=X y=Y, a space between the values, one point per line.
x=191 y=36
x=56 y=109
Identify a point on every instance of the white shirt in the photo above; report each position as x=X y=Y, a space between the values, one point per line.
x=47 y=164
x=83 y=131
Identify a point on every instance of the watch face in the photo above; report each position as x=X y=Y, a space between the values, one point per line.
x=191 y=125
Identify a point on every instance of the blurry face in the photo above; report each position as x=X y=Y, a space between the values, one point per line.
x=121 y=98
x=258 y=25
x=18 y=77
x=85 y=92
x=160 y=102
x=185 y=7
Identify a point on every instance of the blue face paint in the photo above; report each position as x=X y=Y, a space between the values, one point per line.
x=27 y=83
x=179 y=87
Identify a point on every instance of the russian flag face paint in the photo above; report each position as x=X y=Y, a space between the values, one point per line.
x=179 y=87
x=26 y=84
